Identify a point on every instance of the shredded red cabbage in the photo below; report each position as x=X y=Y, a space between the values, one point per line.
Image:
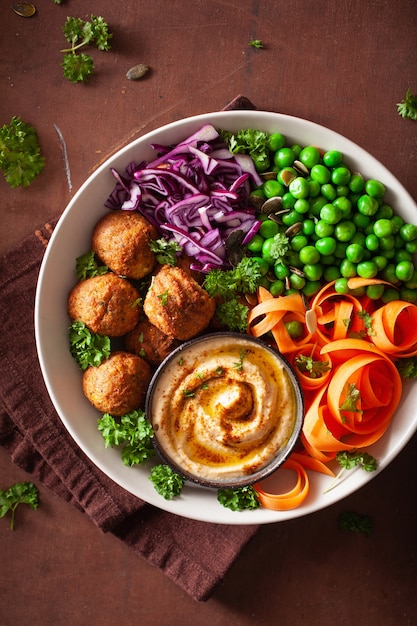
x=195 y=193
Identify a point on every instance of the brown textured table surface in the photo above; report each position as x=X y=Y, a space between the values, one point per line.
x=341 y=64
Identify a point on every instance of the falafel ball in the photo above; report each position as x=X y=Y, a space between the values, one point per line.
x=119 y=384
x=121 y=240
x=177 y=305
x=147 y=341
x=106 y=304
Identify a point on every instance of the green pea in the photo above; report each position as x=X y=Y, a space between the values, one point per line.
x=342 y=190
x=311 y=288
x=308 y=227
x=361 y=221
x=372 y=242
x=309 y=156
x=329 y=192
x=328 y=259
x=268 y=229
x=277 y=288
x=402 y=255
x=309 y=254
x=281 y=271
x=255 y=244
x=331 y=273
x=290 y=218
x=345 y=230
x=298 y=242
x=344 y=204
x=341 y=175
x=273 y=188
x=299 y=187
x=374 y=188
x=348 y=269
x=356 y=183
x=288 y=201
x=341 y=286
x=332 y=158
x=355 y=253
x=390 y=294
x=412 y=283
x=330 y=213
x=367 y=205
x=316 y=205
x=313 y=271
x=367 y=269
x=284 y=157
x=404 y=270
x=326 y=245
x=302 y=205
x=296 y=148
x=314 y=188
x=397 y=222
x=408 y=295
x=384 y=212
x=374 y=292
x=261 y=162
x=276 y=141
x=263 y=265
x=383 y=227
x=320 y=173
x=411 y=246
x=408 y=232
x=323 y=229
x=387 y=243
x=296 y=281
x=340 y=251
x=380 y=261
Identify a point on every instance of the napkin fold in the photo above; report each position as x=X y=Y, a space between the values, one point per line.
x=195 y=555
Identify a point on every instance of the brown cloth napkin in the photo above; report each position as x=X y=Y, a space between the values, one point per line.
x=195 y=555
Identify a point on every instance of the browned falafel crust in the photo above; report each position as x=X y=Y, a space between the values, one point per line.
x=106 y=304
x=119 y=385
x=147 y=341
x=121 y=240
x=177 y=305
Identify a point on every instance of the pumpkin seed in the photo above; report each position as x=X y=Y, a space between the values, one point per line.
x=300 y=168
x=287 y=177
x=24 y=9
x=137 y=72
x=294 y=229
x=271 y=205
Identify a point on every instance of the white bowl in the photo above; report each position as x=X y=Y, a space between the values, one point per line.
x=62 y=375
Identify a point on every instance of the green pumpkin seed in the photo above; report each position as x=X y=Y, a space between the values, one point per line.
x=137 y=71
x=24 y=9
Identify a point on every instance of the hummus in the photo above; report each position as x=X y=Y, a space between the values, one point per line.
x=223 y=407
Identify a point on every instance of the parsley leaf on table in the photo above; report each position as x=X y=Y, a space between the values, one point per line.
x=407 y=108
x=77 y=66
x=20 y=155
x=19 y=493
x=353 y=522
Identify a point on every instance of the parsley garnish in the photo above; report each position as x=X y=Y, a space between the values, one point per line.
x=239 y=364
x=87 y=266
x=166 y=252
x=351 y=400
x=233 y=314
x=163 y=297
x=407 y=108
x=166 y=482
x=256 y=43
x=355 y=523
x=252 y=142
x=314 y=369
x=86 y=347
x=19 y=493
x=79 y=33
x=349 y=459
x=133 y=432
x=407 y=367
x=238 y=499
x=20 y=155
x=244 y=278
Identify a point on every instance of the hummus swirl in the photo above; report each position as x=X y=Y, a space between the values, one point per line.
x=223 y=408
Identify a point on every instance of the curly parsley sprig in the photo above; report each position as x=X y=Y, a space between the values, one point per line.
x=19 y=493
x=78 y=66
x=407 y=108
x=350 y=459
x=87 y=348
x=20 y=155
x=239 y=499
x=133 y=432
